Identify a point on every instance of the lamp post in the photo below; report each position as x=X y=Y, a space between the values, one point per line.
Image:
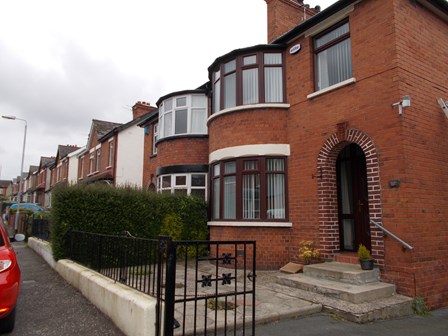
x=19 y=194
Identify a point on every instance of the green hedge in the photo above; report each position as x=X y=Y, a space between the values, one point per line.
x=108 y=210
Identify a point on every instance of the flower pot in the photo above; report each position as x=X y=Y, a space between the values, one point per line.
x=366 y=264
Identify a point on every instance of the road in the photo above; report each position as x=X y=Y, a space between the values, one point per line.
x=49 y=306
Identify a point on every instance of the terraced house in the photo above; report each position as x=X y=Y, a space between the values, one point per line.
x=334 y=131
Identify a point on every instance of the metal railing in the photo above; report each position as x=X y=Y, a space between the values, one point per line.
x=128 y=260
x=378 y=225
x=40 y=228
x=202 y=287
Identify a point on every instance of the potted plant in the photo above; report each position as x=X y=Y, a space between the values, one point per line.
x=365 y=259
x=308 y=253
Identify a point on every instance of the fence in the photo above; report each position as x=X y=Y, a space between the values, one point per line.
x=40 y=228
x=203 y=287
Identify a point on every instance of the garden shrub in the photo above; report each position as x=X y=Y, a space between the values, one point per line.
x=109 y=210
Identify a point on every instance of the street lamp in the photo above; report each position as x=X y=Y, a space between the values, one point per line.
x=19 y=194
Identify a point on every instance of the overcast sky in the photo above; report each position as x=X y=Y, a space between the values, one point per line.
x=64 y=63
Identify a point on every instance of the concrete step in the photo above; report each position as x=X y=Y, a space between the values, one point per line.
x=342 y=272
x=343 y=291
x=375 y=308
x=347 y=291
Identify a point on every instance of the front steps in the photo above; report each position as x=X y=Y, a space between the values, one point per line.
x=349 y=292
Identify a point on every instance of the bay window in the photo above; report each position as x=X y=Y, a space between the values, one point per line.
x=192 y=184
x=253 y=76
x=249 y=189
x=182 y=115
x=333 y=59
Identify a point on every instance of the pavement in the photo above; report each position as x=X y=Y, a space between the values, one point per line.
x=50 y=306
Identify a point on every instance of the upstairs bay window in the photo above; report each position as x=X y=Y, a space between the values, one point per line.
x=182 y=115
x=250 y=78
x=333 y=56
x=249 y=189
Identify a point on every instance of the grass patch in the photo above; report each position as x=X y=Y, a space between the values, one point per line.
x=419 y=307
x=220 y=305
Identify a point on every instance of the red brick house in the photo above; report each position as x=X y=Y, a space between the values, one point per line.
x=59 y=169
x=4 y=185
x=332 y=132
x=42 y=176
x=176 y=144
x=96 y=160
x=114 y=151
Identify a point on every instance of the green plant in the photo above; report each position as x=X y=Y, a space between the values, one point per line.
x=363 y=252
x=419 y=306
x=172 y=226
x=308 y=252
x=106 y=210
x=215 y=304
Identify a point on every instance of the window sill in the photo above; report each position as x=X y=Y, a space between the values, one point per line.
x=250 y=224
x=332 y=88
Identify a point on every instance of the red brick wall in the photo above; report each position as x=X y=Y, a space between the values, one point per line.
x=177 y=151
x=258 y=126
x=419 y=209
x=272 y=243
x=397 y=49
x=150 y=161
x=388 y=63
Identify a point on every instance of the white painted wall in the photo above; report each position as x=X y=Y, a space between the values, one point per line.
x=73 y=166
x=129 y=160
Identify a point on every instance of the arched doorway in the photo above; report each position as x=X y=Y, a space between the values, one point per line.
x=353 y=202
x=327 y=184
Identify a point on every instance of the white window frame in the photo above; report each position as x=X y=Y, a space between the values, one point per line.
x=167 y=118
x=110 y=162
x=91 y=162
x=81 y=174
x=97 y=160
x=155 y=137
x=187 y=186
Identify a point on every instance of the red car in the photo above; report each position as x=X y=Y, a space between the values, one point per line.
x=9 y=281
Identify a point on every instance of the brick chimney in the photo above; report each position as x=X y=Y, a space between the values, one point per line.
x=140 y=108
x=283 y=15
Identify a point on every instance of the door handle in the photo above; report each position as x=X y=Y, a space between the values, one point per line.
x=360 y=205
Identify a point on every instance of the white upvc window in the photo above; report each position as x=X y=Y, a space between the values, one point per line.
x=192 y=184
x=110 y=161
x=183 y=115
x=91 y=162
x=81 y=172
x=155 y=137
x=98 y=160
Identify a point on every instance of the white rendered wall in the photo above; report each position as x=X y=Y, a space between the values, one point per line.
x=73 y=170
x=129 y=161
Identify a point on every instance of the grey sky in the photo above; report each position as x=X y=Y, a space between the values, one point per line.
x=64 y=63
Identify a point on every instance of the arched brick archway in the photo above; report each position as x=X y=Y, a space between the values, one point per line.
x=327 y=191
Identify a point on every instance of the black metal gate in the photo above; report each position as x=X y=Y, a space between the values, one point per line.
x=207 y=288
